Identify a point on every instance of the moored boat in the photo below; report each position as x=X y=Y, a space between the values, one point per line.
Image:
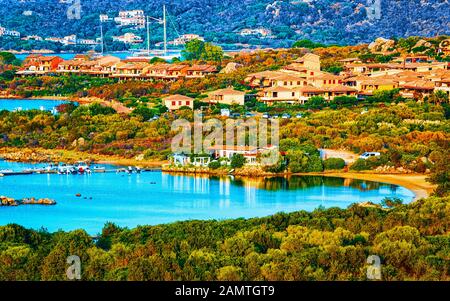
x=99 y=169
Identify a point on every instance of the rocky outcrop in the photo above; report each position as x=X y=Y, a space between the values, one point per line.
x=382 y=45
x=231 y=67
x=421 y=43
x=6 y=201
x=27 y=155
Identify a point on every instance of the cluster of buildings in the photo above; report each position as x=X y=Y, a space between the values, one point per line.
x=260 y=32
x=183 y=39
x=215 y=152
x=226 y=96
x=303 y=79
x=128 y=38
x=110 y=66
x=134 y=18
x=295 y=83
x=67 y=40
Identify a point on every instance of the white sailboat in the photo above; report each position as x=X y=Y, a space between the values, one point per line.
x=148 y=53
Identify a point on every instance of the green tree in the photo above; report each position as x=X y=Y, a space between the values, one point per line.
x=193 y=50
x=229 y=273
x=143 y=111
x=212 y=53
x=298 y=161
x=199 y=50
x=440 y=173
x=237 y=161
x=334 y=163
x=438 y=97
x=307 y=44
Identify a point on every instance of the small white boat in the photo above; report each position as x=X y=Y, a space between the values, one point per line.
x=82 y=167
x=65 y=168
x=99 y=169
x=51 y=168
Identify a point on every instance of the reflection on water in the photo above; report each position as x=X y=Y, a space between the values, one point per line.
x=155 y=197
x=183 y=182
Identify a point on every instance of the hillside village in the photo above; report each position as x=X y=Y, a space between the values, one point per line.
x=416 y=76
x=130 y=21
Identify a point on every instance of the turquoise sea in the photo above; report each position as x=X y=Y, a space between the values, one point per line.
x=151 y=198
x=27 y=104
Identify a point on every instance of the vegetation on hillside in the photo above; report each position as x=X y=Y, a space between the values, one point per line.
x=411 y=240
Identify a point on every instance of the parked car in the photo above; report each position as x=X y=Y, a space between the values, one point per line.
x=368 y=155
x=299 y=115
x=266 y=115
x=249 y=115
x=235 y=115
x=225 y=112
x=286 y=116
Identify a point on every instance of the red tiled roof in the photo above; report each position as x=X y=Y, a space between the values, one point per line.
x=176 y=97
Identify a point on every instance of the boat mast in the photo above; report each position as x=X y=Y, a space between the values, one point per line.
x=101 y=34
x=165 y=30
x=148 y=36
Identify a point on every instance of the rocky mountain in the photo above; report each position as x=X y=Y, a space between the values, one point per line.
x=329 y=21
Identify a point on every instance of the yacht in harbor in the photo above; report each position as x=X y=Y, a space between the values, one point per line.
x=148 y=53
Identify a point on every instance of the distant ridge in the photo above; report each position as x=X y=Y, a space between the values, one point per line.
x=329 y=21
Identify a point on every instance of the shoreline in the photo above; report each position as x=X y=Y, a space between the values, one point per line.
x=39 y=155
x=116 y=105
x=66 y=98
x=416 y=183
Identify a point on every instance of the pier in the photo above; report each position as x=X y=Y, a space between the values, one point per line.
x=44 y=171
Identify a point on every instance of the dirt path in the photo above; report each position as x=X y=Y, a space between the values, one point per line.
x=118 y=106
x=348 y=156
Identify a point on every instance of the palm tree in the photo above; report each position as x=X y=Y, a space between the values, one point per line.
x=438 y=97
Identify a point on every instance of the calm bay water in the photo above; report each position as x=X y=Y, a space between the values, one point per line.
x=153 y=198
x=27 y=104
x=120 y=54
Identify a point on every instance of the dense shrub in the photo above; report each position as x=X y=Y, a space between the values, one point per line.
x=237 y=161
x=359 y=165
x=314 y=164
x=334 y=163
x=214 y=164
x=326 y=244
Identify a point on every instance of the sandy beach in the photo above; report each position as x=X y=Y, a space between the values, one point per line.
x=417 y=183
